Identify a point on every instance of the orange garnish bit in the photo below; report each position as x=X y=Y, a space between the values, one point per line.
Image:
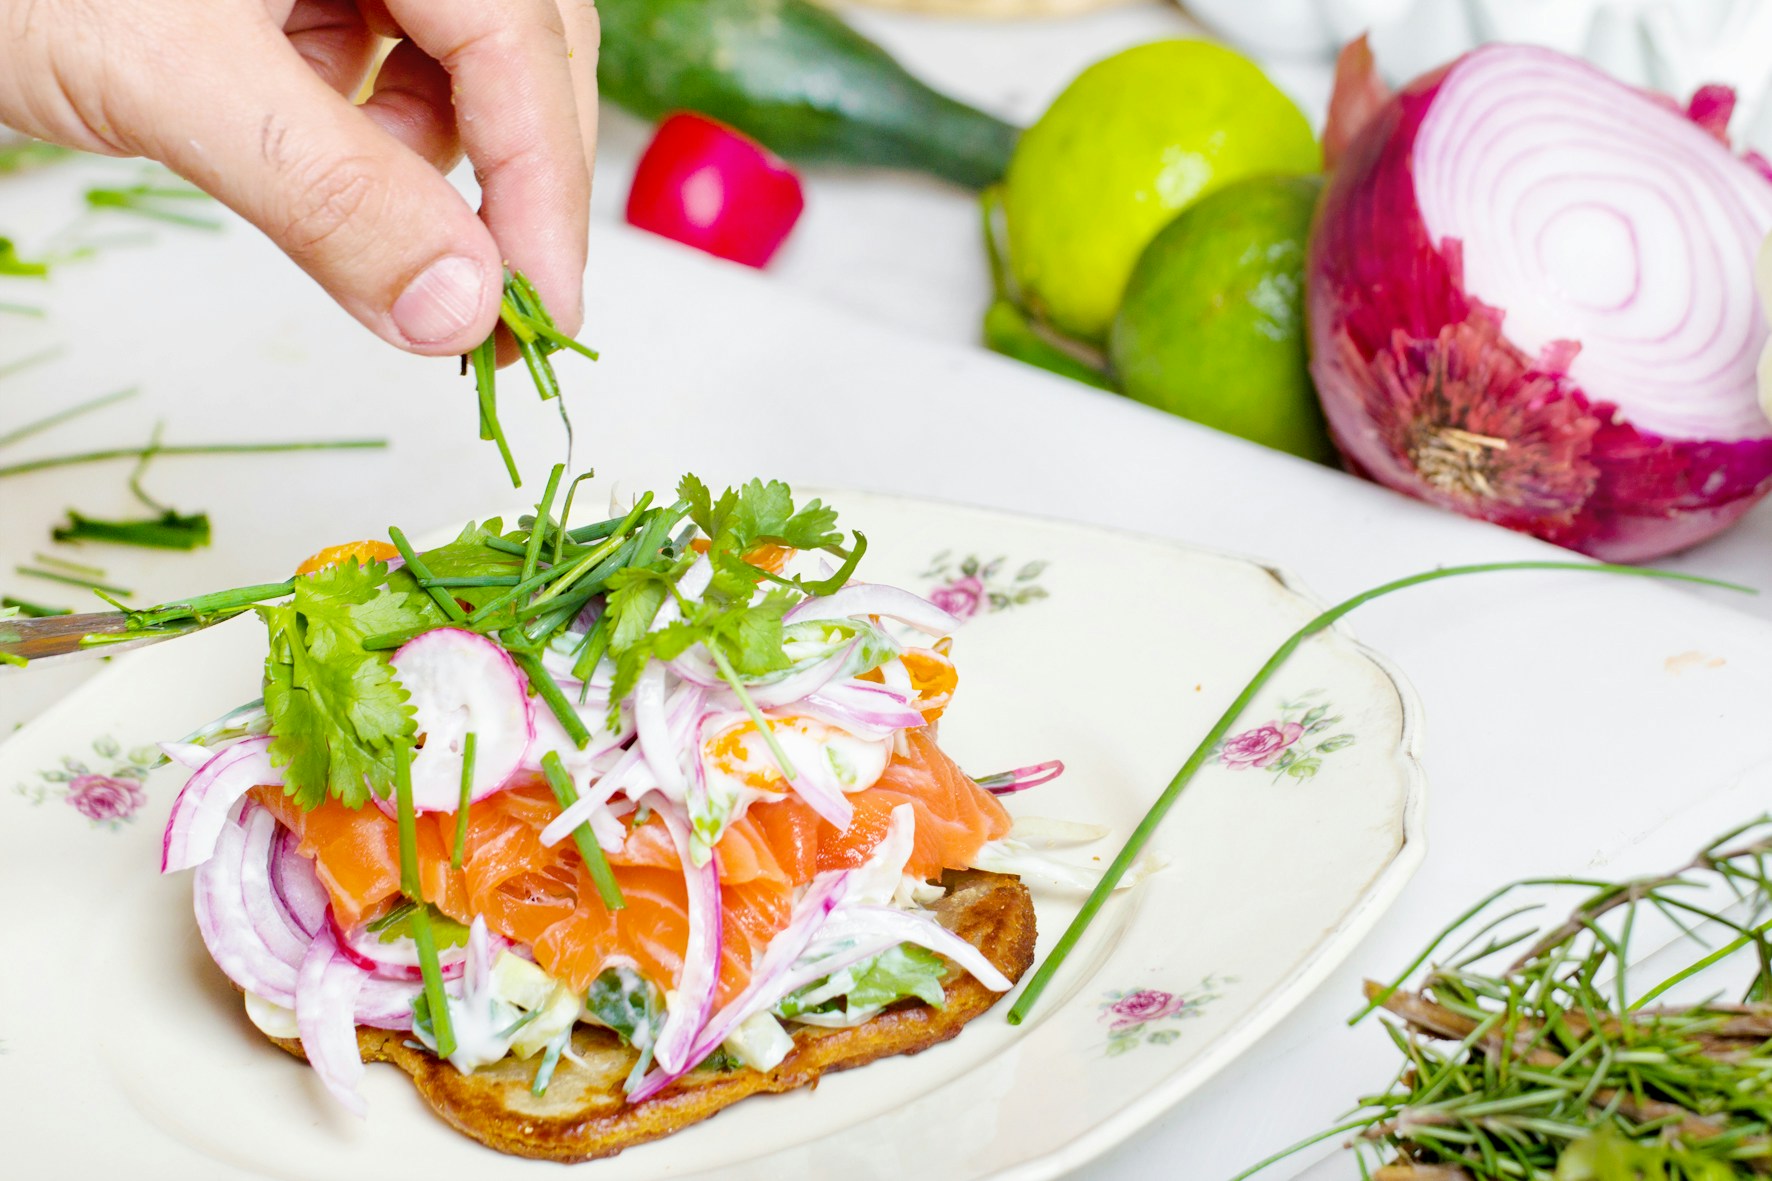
x=362 y=552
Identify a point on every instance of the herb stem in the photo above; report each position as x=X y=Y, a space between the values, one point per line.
x=71 y=580
x=55 y=461
x=467 y=793
x=750 y=707
x=60 y=416
x=586 y=840
x=549 y=691
x=1141 y=835
x=538 y=531
x=444 y=600
x=410 y=885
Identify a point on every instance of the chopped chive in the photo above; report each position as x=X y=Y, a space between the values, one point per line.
x=54 y=461
x=485 y=362
x=60 y=416
x=498 y=602
x=444 y=600
x=203 y=605
x=413 y=888
x=32 y=610
x=71 y=567
x=23 y=309
x=549 y=691
x=588 y=848
x=467 y=791
x=601 y=529
x=138 y=200
x=387 y=641
x=71 y=580
x=170 y=530
x=591 y=650
x=470 y=581
x=566 y=513
x=538 y=532
x=1135 y=843
x=505 y=547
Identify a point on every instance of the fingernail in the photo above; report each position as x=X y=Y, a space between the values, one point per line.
x=441 y=302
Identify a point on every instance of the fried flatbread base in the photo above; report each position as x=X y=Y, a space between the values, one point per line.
x=583 y=1114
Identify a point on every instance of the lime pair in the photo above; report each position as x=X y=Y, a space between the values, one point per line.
x=1159 y=210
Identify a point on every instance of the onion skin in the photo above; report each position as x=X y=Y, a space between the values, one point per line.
x=1416 y=378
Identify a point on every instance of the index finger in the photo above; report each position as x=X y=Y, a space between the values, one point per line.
x=518 y=116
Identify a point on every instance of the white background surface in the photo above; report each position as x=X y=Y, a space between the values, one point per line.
x=1566 y=727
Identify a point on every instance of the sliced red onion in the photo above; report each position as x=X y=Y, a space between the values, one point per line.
x=690 y=587
x=271 y=921
x=589 y=800
x=1006 y=783
x=1531 y=301
x=693 y=996
x=325 y=1012
x=810 y=912
x=396 y=960
x=876 y=599
x=870 y=704
x=201 y=810
x=226 y=926
x=462 y=683
x=189 y=755
x=697 y=669
x=799 y=683
x=653 y=726
x=296 y=886
x=920 y=928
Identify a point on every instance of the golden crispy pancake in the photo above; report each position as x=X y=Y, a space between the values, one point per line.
x=583 y=1114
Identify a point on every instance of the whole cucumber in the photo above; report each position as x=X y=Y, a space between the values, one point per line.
x=796 y=78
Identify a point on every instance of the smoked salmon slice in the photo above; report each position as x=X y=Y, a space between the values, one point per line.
x=544 y=897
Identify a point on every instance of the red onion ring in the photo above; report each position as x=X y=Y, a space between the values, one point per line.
x=876 y=599
x=200 y=812
x=325 y=1014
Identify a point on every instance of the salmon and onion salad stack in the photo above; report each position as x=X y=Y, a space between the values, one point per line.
x=634 y=775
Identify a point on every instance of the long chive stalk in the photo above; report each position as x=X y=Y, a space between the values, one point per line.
x=538 y=532
x=548 y=690
x=55 y=461
x=410 y=885
x=1141 y=835
x=60 y=416
x=588 y=848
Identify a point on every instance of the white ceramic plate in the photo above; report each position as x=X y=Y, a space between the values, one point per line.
x=125 y=1050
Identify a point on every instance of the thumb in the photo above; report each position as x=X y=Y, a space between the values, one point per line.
x=374 y=224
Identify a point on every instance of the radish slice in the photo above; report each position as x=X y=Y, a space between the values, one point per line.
x=326 y=1014
x=875 y=599
x=462 y=683
x=201 y=810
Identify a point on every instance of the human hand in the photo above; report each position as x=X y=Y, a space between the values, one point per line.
x=250 y=100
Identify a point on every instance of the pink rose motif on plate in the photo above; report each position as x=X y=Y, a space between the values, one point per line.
x=103 y=797
x=960 y=598
x=1147 y=1004
x=1260 y=746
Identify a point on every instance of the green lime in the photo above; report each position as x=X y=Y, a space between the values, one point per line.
x=1212 y=327
x=1133 y=141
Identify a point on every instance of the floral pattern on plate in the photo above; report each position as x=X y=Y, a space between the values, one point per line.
x=1146 y=1016
x=973 y=586
x=107 y=792
x=1282 y=746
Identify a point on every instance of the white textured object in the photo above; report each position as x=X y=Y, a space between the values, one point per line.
x=1673 y=46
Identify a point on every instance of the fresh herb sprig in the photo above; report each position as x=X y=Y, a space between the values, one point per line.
x=521 y=313
x=1564 y=1062
x=1141 y=835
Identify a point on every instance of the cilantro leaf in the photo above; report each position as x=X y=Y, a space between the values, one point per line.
x=336 y=710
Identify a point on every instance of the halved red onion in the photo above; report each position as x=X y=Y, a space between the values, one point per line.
x=1531 y=301
x=462 y=683
x=693 y=997
x=652 y=724
x=876 y=599
x=326 y=1014
x=201 y=810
